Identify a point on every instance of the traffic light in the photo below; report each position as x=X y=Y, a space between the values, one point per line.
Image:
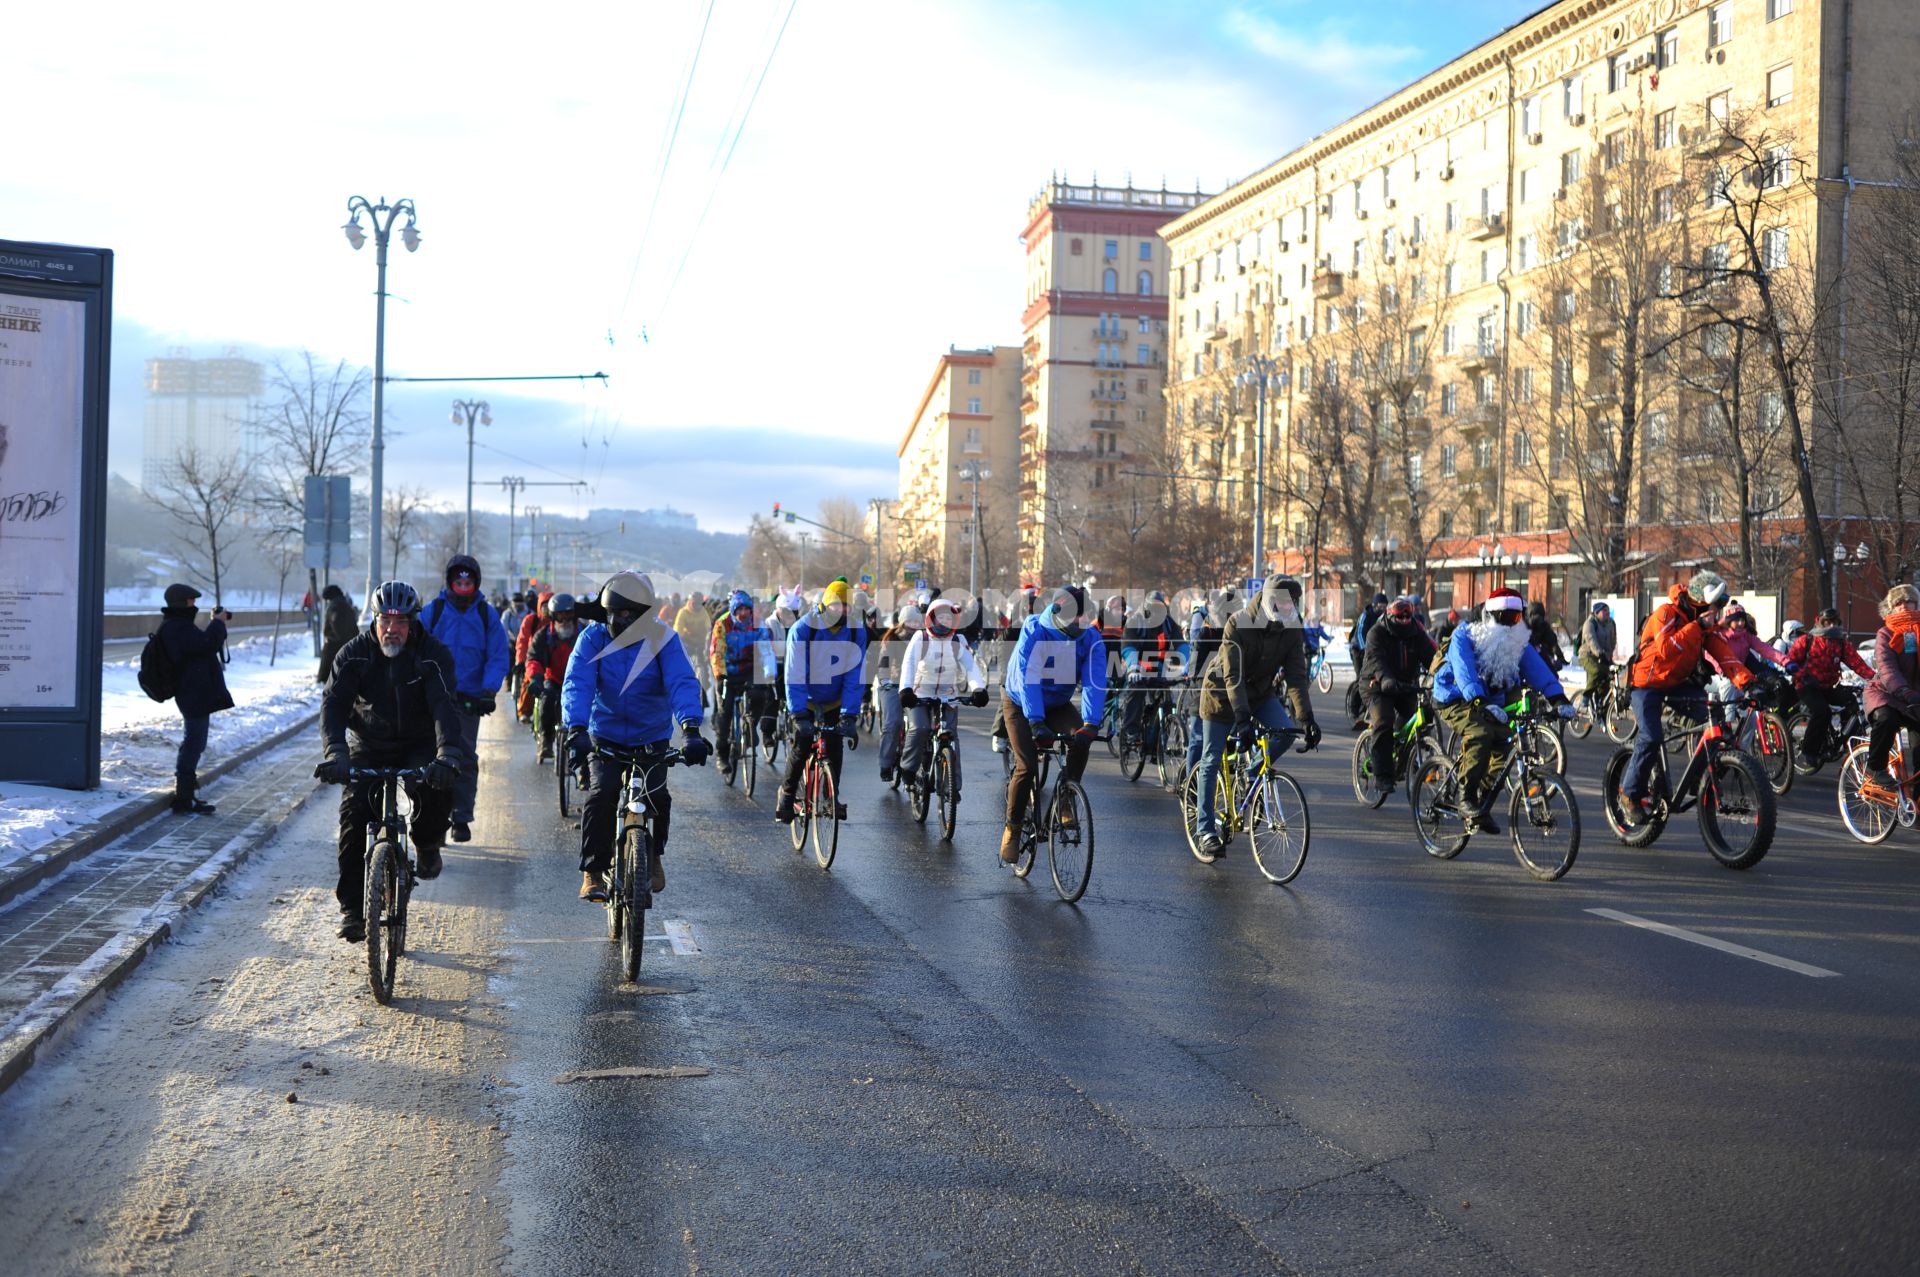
x=776 y=509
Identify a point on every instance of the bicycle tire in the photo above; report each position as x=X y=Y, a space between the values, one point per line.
x=1581 y=724
x=802 y=808
x=1173 y=752
x=749 y=758
x=1070 y=842
x=1543 y=804
x=948 y=789
x=1613 y=806
x=1804 y=763
x=383 y=902
x=1190 y=816
x=1442 y=830
x=730 y=766
x=1774 y=749
x=1280 y=829
x=770 y=749
x=1736 y=770
x=1869 y=820
x=562 y=773
x=1620 y=721
x=630 y=900
x=824 y=817
x=1324 y=678
x=1133 y=759
x=919 y=797
x=1365 y=790
x=1548 y=748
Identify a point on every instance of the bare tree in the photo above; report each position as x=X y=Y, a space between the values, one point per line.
x=404 y=518
x=1338 y=436
x=205 y=496
x=314 y=422
x=1735 y=427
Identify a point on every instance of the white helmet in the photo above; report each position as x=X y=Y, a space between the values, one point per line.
x=1792 y=629
x=912 y=617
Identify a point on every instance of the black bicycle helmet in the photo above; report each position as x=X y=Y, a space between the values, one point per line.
x=396 y=598
x=561 y=604
x=628 y=592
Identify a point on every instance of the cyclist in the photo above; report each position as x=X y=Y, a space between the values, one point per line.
x=547 y=665
x=1398 y=650
x=740 y=652
x=1262 y=646
x=521 y=632
x=1486 y=660
x=393 y=690
x=1789 y=631
x=1743 y=636
x=1153 y=653
x=511 y=619
x=1599 y=639
x=627 y=683
x=471 y=630
x=937 y=659
x=1815 y=659
x=1059 y=652
x=1541 y=635
x=886 y=663
x=1448 y=624
x=1893 y=694
x=826 y=657
x=1666 y=667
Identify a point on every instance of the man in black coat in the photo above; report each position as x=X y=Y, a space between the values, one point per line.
x=1398 y=652
x=340 y=625
x=200 y=685
x=393 y=689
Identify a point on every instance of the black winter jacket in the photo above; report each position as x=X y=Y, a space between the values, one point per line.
x=199 y=681
x=341 y=624
x=398 y=708
x=1396 y=657
x=1255 y=658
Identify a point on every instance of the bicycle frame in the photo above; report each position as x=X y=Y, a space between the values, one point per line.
x=1711 y=738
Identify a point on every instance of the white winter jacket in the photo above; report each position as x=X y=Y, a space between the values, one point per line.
x=934 y=666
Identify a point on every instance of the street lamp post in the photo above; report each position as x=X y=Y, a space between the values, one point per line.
x=382 y=215
x=1259 y=371
x=533 y=515
x=469 y=411
x=973 y=472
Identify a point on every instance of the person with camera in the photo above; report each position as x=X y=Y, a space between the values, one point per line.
x=391 y=703
x=200 y=686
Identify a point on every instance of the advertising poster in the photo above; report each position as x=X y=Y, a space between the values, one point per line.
x=42 y=386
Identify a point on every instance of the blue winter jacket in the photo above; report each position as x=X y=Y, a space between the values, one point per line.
x=1047 y=665
x=604 y=693
x=1459 y=676
x=479 y=645
x=748 y=650
x=825 y=667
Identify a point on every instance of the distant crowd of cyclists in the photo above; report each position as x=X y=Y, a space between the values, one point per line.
x=626 y=668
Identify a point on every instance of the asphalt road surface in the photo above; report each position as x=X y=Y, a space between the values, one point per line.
x=918 y=1063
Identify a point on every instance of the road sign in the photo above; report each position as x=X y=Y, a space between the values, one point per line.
x=329 y=521
x=1254 y=583
x=866 y=581
x=908 y=571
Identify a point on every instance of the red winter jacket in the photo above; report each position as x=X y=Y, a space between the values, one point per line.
x=1820 y=653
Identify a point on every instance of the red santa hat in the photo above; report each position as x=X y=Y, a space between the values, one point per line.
x=1505 y=600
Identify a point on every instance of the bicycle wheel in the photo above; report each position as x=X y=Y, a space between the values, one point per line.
x=1805 y=763
x=1279 y=828
x=1544 y=747
x=630 y=898
x=730 y=766
x=385 y=919
x=1868 y=818
x=947 y=788
x=1324 y=678
x=770 y=749
x=1365 y=788
x=1544 y=823
x=562 y=772
x=866 y=718
x=1774 y=749
x=748 y=756
x=1436 y=815
x=1133 y=759
x=802 y=807
x=1173 y=752
x=1737 y=810
x=1629 y=827
x=824 y=815
x=919 y=796
x=1620 y=723
x=1190 y=816
x=1070 y=840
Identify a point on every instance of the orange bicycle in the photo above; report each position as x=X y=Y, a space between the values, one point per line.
x=1870 y=812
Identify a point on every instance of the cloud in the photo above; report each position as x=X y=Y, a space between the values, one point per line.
x=1323 y=51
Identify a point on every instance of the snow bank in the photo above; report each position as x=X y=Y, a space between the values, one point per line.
x=139 y=738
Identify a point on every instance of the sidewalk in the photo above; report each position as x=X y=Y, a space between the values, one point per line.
x=77 y=935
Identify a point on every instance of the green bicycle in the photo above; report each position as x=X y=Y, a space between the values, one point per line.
x=1413 y=745
x=1543 y=821
x=1256 y=798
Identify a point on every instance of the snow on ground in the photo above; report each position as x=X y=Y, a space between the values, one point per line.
x=139 y=738
x=146 y=598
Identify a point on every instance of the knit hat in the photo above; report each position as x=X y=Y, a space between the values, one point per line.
x=837 y=591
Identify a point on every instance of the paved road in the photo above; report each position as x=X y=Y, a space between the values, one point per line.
x=917 y=1063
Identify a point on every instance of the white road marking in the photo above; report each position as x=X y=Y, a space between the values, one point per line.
x=680 y=933
x=1725 y=946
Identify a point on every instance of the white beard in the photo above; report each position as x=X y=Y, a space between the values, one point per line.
x=1498 y=648
x=392 y=650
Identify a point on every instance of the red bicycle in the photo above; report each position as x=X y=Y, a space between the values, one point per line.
x=816 y=807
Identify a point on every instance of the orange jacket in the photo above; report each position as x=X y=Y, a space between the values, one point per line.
x=1671 y=645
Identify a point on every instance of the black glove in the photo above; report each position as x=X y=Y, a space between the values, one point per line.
x=1243 y=734
x=539 y=683
x=830 y=718
x=803 y=723
x=579 y=746
x=694 y=749
x=442 y=772
x=1389 y=686
x=1042 y=735
x=851 y=731
x=480 y=706
x=977 y=697
x=333 y=771
x=1310 y=735
x=908 y=698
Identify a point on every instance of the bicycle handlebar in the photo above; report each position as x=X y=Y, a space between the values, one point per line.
x=639 y=754
x=386 y=773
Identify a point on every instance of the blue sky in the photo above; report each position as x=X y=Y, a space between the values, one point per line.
x=794 y=296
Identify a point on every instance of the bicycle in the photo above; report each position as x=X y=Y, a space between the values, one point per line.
x=1320 y=670
x=1413 y=744
x=870 y=708
x=1253 y=796
x=1615 y=710
x=1870 y=812
x=1759 y=731
x=630 y=882
x=816 y=807
x=1849 y=719
x=741 y=752
x=937 y=779
x=1163 y=737
x=782 y=729
x=1727 y=786
x=1064 y=819
x=564 y=777
x=1543 y=820
x=389 y=876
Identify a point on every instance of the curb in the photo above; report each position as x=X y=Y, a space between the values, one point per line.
x=46 y=1022
x=32 y=870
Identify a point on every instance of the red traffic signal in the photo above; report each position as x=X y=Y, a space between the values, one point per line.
x=776 y=507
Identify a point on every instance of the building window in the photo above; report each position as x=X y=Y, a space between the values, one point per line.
x=1615 y=151
x=1778 y=9
x=973 y=376
x=1146 y=250
x=1573 y=101
x=1416 y=465
x=1448 y=460
x=1530 y=115
x=1664 y=134
x=1389 y=241
x=1522 y=454
x=1523 y=385
x=1486 y=390
x=1663 y=204
x=1773 y=249
x=1720 y=24
x=1453 y=278
x=1449 y=399
x=1522 y=516
x=1650 y=504
x=1446 y=523
x=1526 y=251
x=1562 y=379
x=1667 y=48
x=1450 y=339
x=1143 y=283
x=1417 y=234
x=973 y=405
x=1145 y=354
x=1563 y=304
x=1479 y=523
x=1112 y=249
x=1110 y=280
x=1617 y=72
x=1719 y=107
x=1718 y=260
x=1452 y=222
x=1569 y=169
x=1657 y=429
x=1075 y=247
x=1780 y=85
x=1526 y=316
x=1359 y=254
x=1144 y=324
x=973 y=438
x=1483 y=454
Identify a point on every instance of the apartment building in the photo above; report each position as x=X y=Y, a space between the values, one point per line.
x=965 y=431
x=1493 y=307
x=1093 y=362
x=207 y=405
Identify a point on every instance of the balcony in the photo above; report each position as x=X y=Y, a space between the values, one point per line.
x=1109 y=394
x=1710 y=140
x=1601 y=392
x=1709 y=297
x=1328 y=283
x=1111 y=333
x=1488 y=227
x=1478 y=359
x=1477 y=418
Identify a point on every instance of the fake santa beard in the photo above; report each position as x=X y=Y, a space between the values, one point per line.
x=1498 y=649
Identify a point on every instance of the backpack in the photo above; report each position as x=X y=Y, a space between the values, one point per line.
x=158 y=678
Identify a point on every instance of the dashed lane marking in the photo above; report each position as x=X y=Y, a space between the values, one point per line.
x=1711 y=942
x=680 y=934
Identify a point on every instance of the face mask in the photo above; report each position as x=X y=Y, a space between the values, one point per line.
x=463 y=586
x=619 y=621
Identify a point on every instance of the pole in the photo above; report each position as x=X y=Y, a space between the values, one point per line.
x=379 y=404
x=466 y=538
x=1260 y=479
x=973 y=539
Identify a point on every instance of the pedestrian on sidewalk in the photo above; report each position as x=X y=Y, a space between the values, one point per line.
x=200 y=686
x=340 y=625
x=470 y=628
